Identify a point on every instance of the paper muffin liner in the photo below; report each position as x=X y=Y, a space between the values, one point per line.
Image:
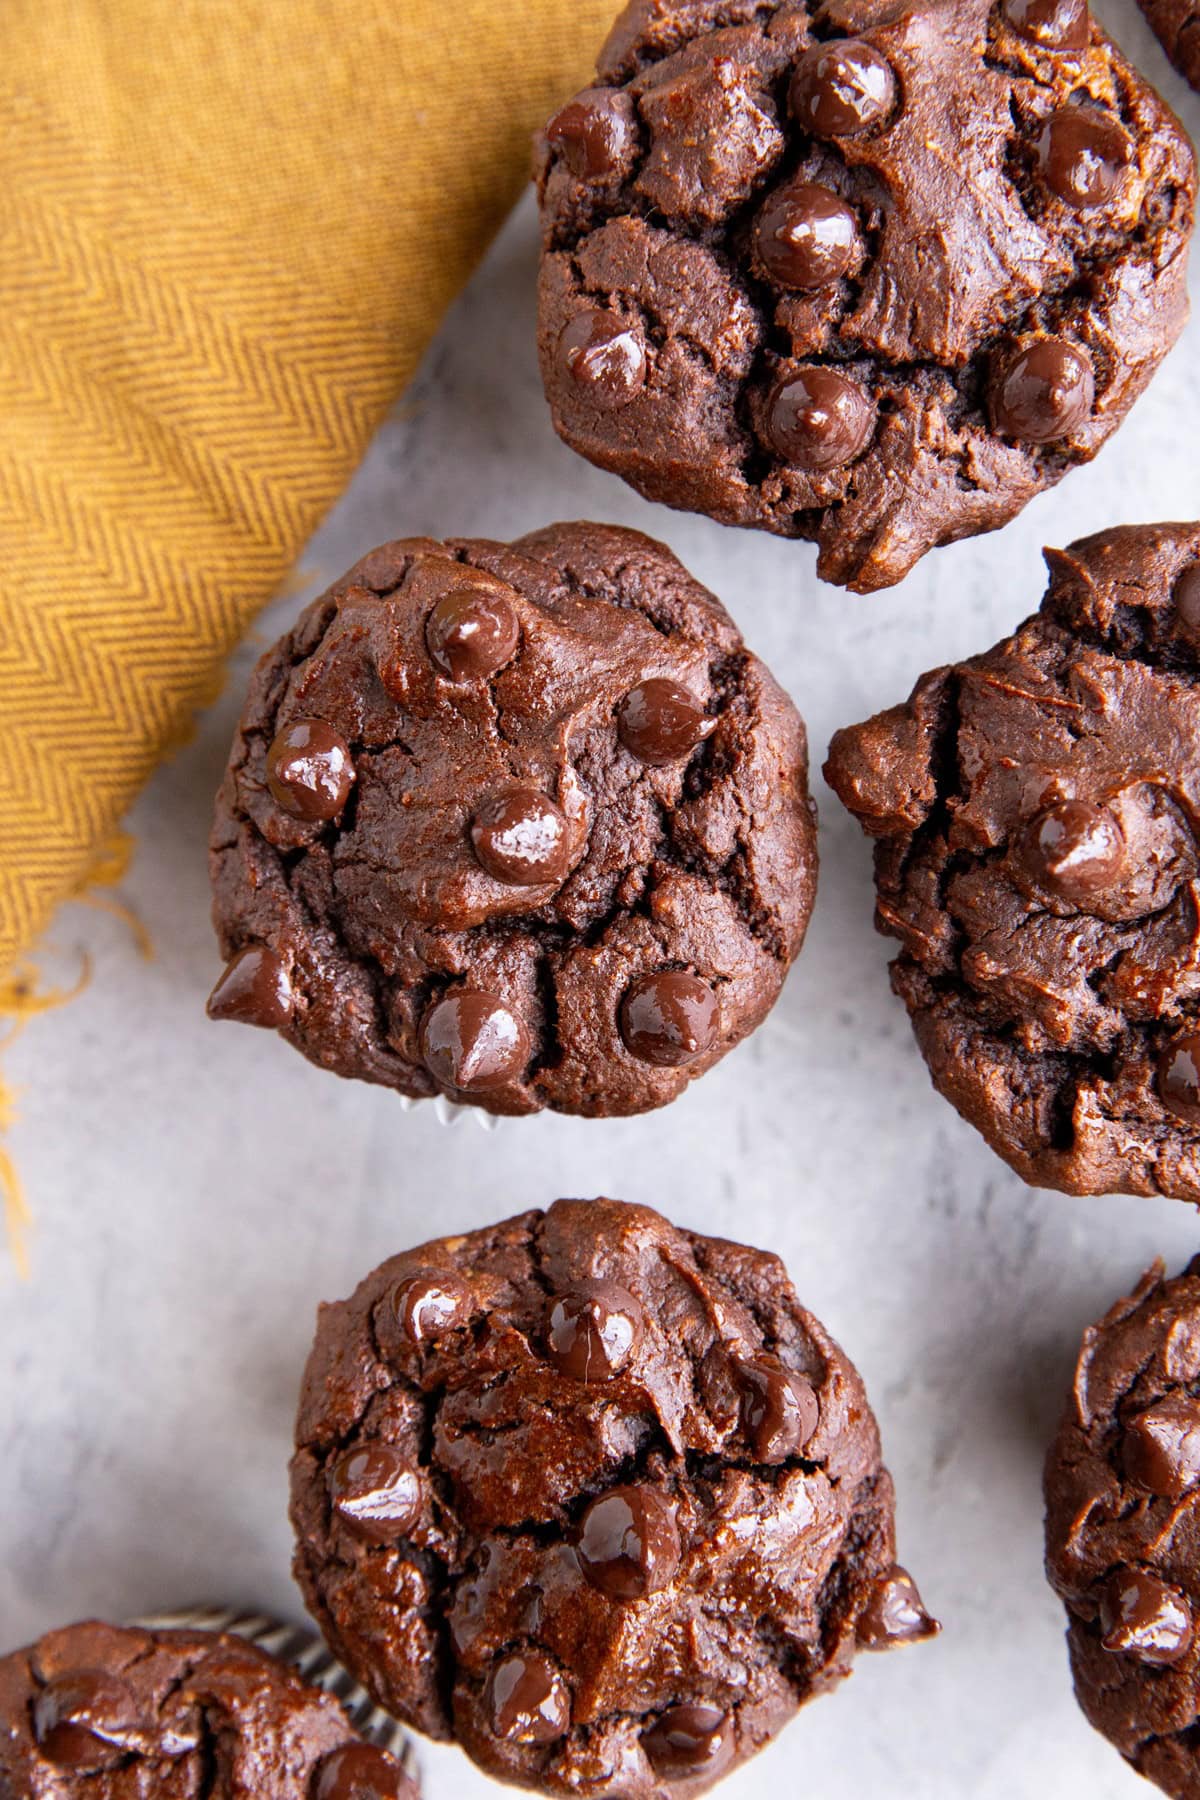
x=450 y=1112
x=303 y=1650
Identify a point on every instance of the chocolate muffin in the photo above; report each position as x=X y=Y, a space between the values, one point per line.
x=1122 y=1485
x=526 y=826
x=1177 y=26
x=868 y=273
x=1035 y=811
x=594 y=1496
x=118 y=1713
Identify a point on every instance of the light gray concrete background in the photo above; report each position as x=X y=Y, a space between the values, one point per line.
x=198 y=1189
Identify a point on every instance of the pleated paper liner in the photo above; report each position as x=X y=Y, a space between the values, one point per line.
x=304 y=1651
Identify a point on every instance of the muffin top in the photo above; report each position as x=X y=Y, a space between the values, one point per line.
x=1177 y=23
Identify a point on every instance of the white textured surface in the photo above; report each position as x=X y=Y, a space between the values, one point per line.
x=199 y=1189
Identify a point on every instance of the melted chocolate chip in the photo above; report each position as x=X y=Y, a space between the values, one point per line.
x=593 y=133
x=1052 y=24
x=357 y=1772
x=428 y=1306
x=1074 y=849
x=689 y=1741
x=779 y=1410
x=473 y=1041
x=842 y=89
x=472 y=632
x=818 y=419
x=254 y=990
x=669 y=1019
x=84 y=1721
x=522 y=839
x=375 y=1493
x=660 y=722
x=806 y=237
x=604 y=356
x=1081 y=156
x=629 y=1543
x=309 y=770
x=593 y=1331
x=1161 y=1449
x=530 y=1701
x=1141 y=1617
x=1044 y=392
x=894 y=1614
x=1179 y=1078
x=1186 y=598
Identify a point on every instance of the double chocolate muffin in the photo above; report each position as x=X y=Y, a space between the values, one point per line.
x=861 y=271
x=104 y=1712
x=595 y=1497
x=1122 y=1491
x=1177 y=25
x=527 y=826
x=1036 y=811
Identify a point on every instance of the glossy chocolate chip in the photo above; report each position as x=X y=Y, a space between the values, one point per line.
x=629 y=1543
x=375 y=1493
x=1161 y=1450
x=1074 y=849
x=429 y=1305
x=1143 y=1618
x=593 y=1330
x=689 y=1741
x=669 y=1019
x=894 y=1614
x=358 y=1772
x=1179 y=1078
x=84 y=1721
x=310 y=771
x=805 y=237
x=842 y=89
x=604 y=357
x=1044 y=392
x=779 y=1409
x=254 y=990
x=472 y=632
x=593 y=133
x=660 y=722
x=530 y=1701
x=473 y=1041
x=818 y=419
x=1186 y=601
x=522 y=838
x=1052 y=24
x=1081 y=156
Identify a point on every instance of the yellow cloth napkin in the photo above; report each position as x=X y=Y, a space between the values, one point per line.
x=229 y=229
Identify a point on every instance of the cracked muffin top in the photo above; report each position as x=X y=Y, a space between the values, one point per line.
x=1036 y=810
x=528 y=826
x=594 y=1496
x=869 y=272
x=1122 y=1483
x=1177 y=26
x=119 y=1713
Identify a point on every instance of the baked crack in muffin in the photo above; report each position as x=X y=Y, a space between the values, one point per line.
x=1177 y=26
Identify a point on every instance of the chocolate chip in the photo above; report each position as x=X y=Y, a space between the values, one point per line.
x=1161 y=1449
x=818 y=419
x=689 y=1741
x=604 y=356
x=1179 y=1078
x=254 y=990
x=309 y=770
x=522 y=839
x=629 y=1543
x=842 y=89
x=1053 y=24
x=530 y=1701
x=1186 y=599
x=472 y=632
x=375 y=1493
x=84 y=1721
x=894 y=1614
x=593 y=133
x=593 y=1330
x=427 y=1306
x=660 y=722
x=357 y=1772
x=669 y=1019
x=473 y=1041
x=805 y=237
x=1081 y=156
x=779 y=1409
x=1141 y=1617
x=1043 y=392
x=1075 y=849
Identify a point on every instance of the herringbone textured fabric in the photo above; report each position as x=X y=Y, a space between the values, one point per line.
x=228 y=229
